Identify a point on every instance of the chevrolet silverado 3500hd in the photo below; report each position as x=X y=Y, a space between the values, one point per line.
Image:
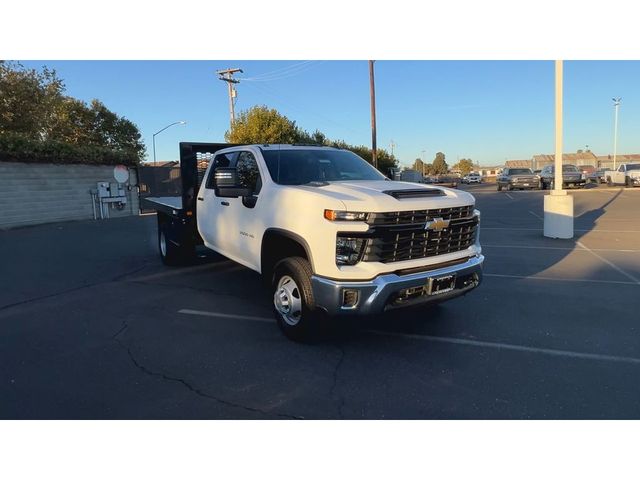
x=324 y=228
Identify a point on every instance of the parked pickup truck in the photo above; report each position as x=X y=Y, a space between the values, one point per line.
x=521 y=178
x=571 y=177
x=326 y=230
x=627 y=174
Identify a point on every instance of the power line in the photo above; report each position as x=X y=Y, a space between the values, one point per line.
x=291 y=70
x=283 y=75
x=303 y=109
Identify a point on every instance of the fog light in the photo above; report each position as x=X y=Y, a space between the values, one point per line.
x=349 y=298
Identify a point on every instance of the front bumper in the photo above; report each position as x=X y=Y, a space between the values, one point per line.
x=386 y=292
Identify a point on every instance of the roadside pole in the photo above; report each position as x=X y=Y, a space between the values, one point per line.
x=558 y=206
x=372 y=93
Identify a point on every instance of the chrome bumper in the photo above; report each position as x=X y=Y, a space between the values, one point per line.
x=381 y=293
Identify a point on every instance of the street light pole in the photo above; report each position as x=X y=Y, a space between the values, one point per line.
x=182 y=122
x=372 y=93
x=616 y=105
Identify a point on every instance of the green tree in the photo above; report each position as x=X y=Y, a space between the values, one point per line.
x=261 y=124
x=465 y=166
x=28 y=99
x=418 y=165
x=33 y=106
x=440 y=166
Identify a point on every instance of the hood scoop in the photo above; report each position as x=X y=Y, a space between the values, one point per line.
x=415 y=193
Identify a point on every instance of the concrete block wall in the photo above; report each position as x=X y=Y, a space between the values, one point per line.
x=32 y=194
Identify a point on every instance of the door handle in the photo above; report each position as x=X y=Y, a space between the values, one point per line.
x=201 y=199
x=226 y=204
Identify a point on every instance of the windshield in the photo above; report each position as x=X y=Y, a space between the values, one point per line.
x=519 y=171
x=567 y=168
x=635 y=166
x=300 y=166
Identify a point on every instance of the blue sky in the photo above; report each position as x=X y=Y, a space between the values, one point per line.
x=488 y=111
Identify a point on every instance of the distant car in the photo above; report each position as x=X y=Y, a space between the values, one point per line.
x=571 y=177
x=597 y=176
x=587 y=169
x=520 y=178
x=472 y=178
x=446 y=181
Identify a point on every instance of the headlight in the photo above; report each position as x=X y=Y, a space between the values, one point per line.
x=349 y=250
x=342 y=215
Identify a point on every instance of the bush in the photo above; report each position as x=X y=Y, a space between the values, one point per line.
x=18 y=148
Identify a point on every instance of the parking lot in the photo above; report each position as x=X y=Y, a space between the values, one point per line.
x=92 y=325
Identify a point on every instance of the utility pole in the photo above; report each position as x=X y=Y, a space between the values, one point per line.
x=227 y=76
x=392 y=145
x=616 y=105
x=372 y=91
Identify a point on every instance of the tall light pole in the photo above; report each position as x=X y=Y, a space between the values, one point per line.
x=616 y=106
x=372 y=93
x=558 y=206
x=181 y=122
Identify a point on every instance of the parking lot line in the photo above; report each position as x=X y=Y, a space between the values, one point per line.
x=575 y=229
x=204 y=313
x=536 y=215
x=450 y=340
x=611 y=264
x=508 y=195
x=560 y=248
x=556 y=279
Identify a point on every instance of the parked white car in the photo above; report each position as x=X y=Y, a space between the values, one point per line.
x=472 y=178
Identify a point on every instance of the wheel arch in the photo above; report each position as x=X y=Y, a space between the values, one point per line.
x=278 y=244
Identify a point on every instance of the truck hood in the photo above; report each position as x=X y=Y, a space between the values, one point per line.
x=370 y=196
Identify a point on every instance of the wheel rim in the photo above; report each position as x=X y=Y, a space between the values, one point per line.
x=163 y=245
x=288 y=301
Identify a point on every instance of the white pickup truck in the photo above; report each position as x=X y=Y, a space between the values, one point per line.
x=627 y=174
x=326 y=230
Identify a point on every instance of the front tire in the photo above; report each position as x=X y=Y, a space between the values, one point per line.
x=293 y=302
x=628 y=183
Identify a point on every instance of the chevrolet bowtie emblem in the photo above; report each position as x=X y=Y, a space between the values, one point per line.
x=437 y=224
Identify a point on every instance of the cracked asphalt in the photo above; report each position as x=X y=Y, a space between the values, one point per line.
x=93 y=326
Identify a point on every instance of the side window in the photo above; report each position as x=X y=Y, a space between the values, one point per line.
x=220 y=160
x=248 y=172
x=621 y=168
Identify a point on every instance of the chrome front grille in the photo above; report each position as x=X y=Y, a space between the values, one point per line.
x=398 y=242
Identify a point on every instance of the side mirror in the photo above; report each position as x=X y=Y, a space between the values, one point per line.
x=225 y=182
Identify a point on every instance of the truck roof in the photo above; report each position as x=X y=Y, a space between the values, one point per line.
x=292 y=146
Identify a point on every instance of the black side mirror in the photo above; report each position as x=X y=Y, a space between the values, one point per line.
x=225 y=182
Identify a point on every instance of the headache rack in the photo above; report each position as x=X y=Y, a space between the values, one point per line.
x=401 y=236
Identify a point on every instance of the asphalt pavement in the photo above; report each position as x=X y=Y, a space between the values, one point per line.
x=93 y=326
